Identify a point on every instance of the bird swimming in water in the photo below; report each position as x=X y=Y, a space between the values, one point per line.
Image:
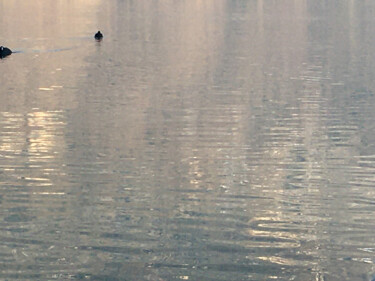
x=98 y=36
x=4 y=51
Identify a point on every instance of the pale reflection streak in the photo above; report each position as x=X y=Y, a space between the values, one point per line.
x=11 y=125
x=34 y=142
x=57 y=15
x=194 y=41
x=215 y=134
x=283 y=261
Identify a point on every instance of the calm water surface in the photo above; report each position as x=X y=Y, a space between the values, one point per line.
x=200 y=140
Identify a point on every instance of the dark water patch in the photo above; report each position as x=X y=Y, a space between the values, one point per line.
x=18 y=218
x=16 y=230
x=22 y=241
x=83 y=276
x=22 y=276
x=120 y=250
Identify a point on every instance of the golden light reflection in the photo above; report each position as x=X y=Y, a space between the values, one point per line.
x=42 y=135
x=11 y=125
x=46 y=89
x=282 y=261
x=274 y=234
x=49 y=193
x=33 y=143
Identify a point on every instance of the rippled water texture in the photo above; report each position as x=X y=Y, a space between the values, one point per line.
x=200 y=140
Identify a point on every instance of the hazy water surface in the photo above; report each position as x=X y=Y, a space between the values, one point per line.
x=200 y=140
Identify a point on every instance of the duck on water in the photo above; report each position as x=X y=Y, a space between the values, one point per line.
x=98 y=36
x=4 y=51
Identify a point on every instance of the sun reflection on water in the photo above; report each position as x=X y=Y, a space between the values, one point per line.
x=32 y=144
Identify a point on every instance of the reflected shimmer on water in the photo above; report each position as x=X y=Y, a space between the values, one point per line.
x=199 y=140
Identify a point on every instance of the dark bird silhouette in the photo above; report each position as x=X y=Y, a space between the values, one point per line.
x=4 y=51
x=98 y=36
